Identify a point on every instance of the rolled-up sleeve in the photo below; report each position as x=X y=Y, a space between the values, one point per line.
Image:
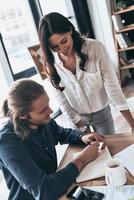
x=111 y=82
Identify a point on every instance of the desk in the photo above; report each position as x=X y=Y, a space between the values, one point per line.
x=115 y=143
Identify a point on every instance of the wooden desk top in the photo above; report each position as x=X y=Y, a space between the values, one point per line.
x=115 y=143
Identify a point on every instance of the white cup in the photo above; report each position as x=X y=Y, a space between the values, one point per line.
x=115 y=173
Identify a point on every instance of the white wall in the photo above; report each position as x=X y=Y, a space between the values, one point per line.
x=5 y=75
x=3 y=85
x=102 y=25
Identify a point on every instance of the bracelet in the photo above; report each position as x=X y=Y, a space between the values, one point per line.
x=80 y=136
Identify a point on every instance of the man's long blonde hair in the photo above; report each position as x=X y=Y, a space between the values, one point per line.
x=18 y=103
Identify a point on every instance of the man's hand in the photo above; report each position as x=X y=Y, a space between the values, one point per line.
x=92 y=137
x=88 y=154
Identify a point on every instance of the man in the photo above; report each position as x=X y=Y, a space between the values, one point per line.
x=27 y=146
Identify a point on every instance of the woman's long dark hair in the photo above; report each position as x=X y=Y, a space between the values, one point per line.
x=56 y=23
x=19 y=102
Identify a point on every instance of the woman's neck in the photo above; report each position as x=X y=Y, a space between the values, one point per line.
x=70 y=64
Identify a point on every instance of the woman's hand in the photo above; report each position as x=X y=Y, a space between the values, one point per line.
x=68 y=62
x=63 y=58
x=88 y=154
x=92 y=137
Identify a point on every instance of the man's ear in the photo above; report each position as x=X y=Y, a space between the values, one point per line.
x=71 y=32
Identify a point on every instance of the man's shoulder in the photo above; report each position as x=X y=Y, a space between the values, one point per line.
x=6 y=128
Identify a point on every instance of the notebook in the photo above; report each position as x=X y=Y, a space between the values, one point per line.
x=96 y=168
x=127 y=156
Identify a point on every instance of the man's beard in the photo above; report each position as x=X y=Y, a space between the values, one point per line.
x=29 y=122
x=35 y=124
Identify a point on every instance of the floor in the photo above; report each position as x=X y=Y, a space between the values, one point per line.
x=120 y=125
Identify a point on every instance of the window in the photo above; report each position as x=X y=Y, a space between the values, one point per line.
x=19 y=31
x=48 y=6
x=63 y=6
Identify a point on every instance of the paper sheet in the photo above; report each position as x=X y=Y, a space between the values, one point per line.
x=96 y=168
x=125 y=192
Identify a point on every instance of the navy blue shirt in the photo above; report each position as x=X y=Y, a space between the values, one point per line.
x=29 y=166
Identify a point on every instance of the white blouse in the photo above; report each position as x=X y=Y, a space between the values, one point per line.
x=88 y=91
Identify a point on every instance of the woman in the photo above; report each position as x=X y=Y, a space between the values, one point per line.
x=83 y=75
